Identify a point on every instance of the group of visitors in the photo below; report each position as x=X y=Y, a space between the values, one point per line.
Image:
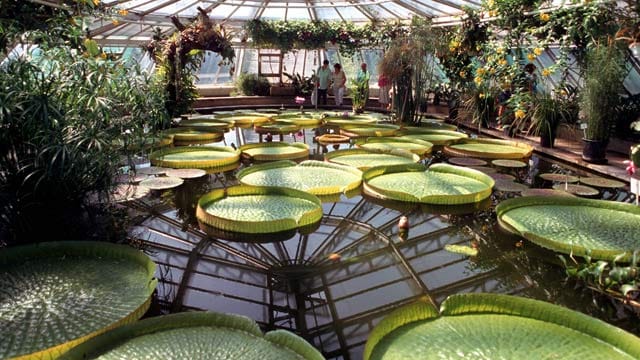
x=337 y=79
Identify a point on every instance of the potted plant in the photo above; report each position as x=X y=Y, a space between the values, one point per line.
x=600 y=98
x=549 y=112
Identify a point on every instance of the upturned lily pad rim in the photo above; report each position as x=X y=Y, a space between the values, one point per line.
x=425 y=145
x=369 y=130
x=257 y=227
x=234 y=157
x=483 y=303
x=455 y=199
x=162 y=183
x=18 y=254
x=526 y=149
x=602 y=182
x=331 y=156
x=112 y=339
x=277 y=128
x=430 y=126
x=555 y=177
x=575 y=249
x=321 y=191
x=301 y=151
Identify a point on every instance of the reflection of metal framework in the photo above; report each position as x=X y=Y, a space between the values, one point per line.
x=296 y=284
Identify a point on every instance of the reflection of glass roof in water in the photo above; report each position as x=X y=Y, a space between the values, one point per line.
x=145 y=15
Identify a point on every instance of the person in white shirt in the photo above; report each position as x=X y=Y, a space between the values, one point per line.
x=323 y=77
x=339 y=80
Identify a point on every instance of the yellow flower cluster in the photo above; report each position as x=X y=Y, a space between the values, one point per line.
x=500 y=51
x=520 y=114
x=96 y=2
x=123 y=12
x=454 y=45
x=115 y=22
x=463 y=74
x=482 y=95
x=477 y=80
x=481 y=71
x=545 y=17
x=502 y=62
x=493 y=13
x=531 y=57
x=546 y=72
x=538 y=51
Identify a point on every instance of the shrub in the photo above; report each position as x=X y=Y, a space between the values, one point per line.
x=252 y=84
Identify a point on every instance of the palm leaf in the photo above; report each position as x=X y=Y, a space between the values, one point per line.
x=603 y=229
x=76 y=290
x=195 y=335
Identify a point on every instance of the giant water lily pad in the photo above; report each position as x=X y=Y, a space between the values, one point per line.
x=436 y=137
x=258 y=210
x=369 y=130
x=196 y=336
x=315 y=177
x=489 y=149
x=415 y=146
x=298 y=120
x=56 y=295
x=275 y=151
x=492 y=326
x=603 y=229
x=441 y=184
x=192 y=136
x=162 y=183
x=601 y=182
x=429 y=126
x=366 y=158
x=204 y=157
x=276 y=128
x=576 y=189
x=341 y=120
x=206 y=125
x=243 y=120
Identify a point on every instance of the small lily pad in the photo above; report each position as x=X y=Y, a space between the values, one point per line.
x=152 y=170
x=558 y=177
x=545 y=192
x=601 y=182
x=186 y=173
x=162 y=183
x=128 y=192
x=461 y=249
x=509 y=186
x=500 y=176
x=580 y=190
x=466 y=161
x=509 y=163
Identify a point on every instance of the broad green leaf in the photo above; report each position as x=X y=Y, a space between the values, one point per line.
x=492 y=326
x=204 y=157
x=270 y=151
x=489 y=149
x=56 y=295
x=367 y=158
x=195 y=335
x=598 y=228
x=315 y=177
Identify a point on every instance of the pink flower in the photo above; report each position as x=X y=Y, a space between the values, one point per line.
x=299 y=100
x=631 y=169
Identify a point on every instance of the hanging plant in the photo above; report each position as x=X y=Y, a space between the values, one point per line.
x=180 y=55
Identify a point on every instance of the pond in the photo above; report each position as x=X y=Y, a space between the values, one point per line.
x=333 y=285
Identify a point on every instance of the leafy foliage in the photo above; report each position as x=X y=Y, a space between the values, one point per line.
x=67 y=118
x=252 y=84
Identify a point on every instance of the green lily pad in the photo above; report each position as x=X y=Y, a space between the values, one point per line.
x=559 y=177
x=332 y=139
x=243 y=120
x=203 y=157
x=364 y=159
x=186 y=173
x=441 y=184
x=206 y=125
x=603 y=229
x=500 y=176
x=429 y=126
x=315 y=177
x=257 y=210
x=276 y=128
x=509 y=186
x=192 y=136
x=369 y=130
x=152 y=170
x=545 y=192
x=466 y=161
x=162 y=183
x=196 y=336
x=128 y=192
x=489 y=149
x=575 y=189
x=436 y=137
x=270 y=151
x=601 y=182
x=57 y=295
x=505 y=163
x=461 y=249
x=298 y=120
x=492 y=326
x=415 y=146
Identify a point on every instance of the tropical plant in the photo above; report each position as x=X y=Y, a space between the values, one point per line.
x=600 y=95
x=549 y=112
x=516 y=326
x=180 y=56
x=302 y=85
x=600 y=229
x=480 y=104
x=208 y=334
x=359 y=94
x=252 y=84
x=68 y=118
x=76 y=289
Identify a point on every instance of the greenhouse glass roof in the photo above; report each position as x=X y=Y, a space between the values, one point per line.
x=137 y=19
